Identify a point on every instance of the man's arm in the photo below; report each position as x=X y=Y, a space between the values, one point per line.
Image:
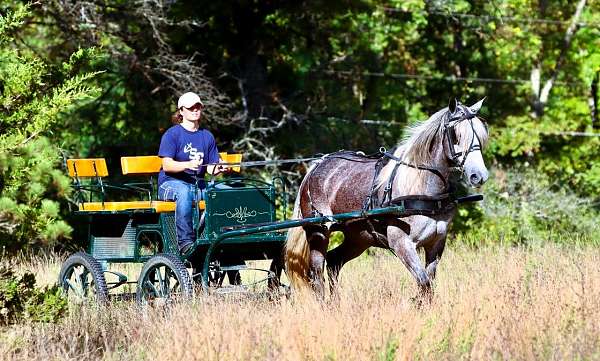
x=213 y=157
x=172 y=166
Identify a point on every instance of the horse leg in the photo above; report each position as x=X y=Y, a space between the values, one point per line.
x=406 y=249
x=318 y=240
x=433 y=255
x=353 y=246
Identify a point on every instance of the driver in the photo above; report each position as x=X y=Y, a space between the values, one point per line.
x=184 y=149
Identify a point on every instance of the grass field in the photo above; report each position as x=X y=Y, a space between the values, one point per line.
x=493 y=303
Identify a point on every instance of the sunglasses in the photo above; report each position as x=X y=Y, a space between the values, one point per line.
x=195 y=107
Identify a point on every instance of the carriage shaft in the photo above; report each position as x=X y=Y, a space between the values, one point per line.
x=275 y=226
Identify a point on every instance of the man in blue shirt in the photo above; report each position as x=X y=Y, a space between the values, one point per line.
x=184 y=149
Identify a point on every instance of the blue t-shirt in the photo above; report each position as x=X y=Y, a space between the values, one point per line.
x=182 y=145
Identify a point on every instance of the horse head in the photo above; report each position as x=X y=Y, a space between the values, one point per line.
x=465 y=135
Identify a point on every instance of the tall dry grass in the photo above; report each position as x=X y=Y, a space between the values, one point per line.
x=493 y=303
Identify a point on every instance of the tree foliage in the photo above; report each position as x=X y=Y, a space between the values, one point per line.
x=34 y=97
x=349 y=74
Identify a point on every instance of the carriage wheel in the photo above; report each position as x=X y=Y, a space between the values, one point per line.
x=163 y=279
x=82 y=279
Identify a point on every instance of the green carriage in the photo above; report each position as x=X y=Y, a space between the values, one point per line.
x=228 y=225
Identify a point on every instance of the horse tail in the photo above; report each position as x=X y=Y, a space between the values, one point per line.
x=297 y=252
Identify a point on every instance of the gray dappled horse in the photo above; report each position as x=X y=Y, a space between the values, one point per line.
x=418 y=169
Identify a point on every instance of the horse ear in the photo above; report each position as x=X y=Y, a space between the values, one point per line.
x=477 y=106
x=452 y=105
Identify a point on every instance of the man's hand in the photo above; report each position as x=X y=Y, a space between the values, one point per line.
x=218 y=169
x=224 y=168
x=193 y=164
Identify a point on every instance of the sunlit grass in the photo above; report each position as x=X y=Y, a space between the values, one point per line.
x=540 y=302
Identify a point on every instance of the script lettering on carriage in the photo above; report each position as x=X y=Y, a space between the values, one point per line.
x=240 y=214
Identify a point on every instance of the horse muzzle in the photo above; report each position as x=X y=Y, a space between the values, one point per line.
x=477 y=178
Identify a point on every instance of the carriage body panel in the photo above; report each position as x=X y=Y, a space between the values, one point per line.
x=254 y=203
x=135 y=235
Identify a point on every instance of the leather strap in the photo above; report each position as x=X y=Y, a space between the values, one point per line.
x=424 y=205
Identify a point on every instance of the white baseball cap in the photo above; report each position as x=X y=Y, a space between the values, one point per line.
x=188 y=100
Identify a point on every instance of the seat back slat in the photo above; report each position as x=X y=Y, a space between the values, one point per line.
x=146 y=164
x=90 y=167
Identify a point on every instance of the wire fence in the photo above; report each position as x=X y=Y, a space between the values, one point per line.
x=501 y=19
x=447 y=78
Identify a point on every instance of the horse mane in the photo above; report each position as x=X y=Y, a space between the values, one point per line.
x=417 y=145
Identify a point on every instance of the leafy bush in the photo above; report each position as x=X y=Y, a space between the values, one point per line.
x=34 y=94
x=29 y=207
x=20 y=300
x=522 y=205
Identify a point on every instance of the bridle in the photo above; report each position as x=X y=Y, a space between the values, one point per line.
x=451 y=120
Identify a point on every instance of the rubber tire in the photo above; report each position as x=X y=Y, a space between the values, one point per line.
x=93 y=267
x=176 y=266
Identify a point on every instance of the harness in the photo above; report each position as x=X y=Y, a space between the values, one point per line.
x=421 y=204
x=415 y=204
x=351 y=156
x=387 y=192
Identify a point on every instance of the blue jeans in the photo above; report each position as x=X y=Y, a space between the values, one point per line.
x=183 y=194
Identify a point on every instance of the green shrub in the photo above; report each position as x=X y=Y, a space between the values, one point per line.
x=34 y=95
x=523 y=206
x=29 y=206
x=21 y=301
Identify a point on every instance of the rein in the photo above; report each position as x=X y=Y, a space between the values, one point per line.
x=259 y=163
x=344 y=155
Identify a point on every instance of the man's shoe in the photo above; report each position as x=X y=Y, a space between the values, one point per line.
x=186 y=248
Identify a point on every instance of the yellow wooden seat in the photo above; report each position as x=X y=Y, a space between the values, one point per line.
x=96 y=169
x=148 y=165
x=151 y=164
x=158 y=206
x=232 y=158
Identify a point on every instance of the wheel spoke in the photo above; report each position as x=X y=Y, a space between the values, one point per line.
x=161 y=283
x=151 y=287
x=83 y=279
x=76 y=282
x=92 y=287
x=79 y=282
x=168 y=274
x=75 y=289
